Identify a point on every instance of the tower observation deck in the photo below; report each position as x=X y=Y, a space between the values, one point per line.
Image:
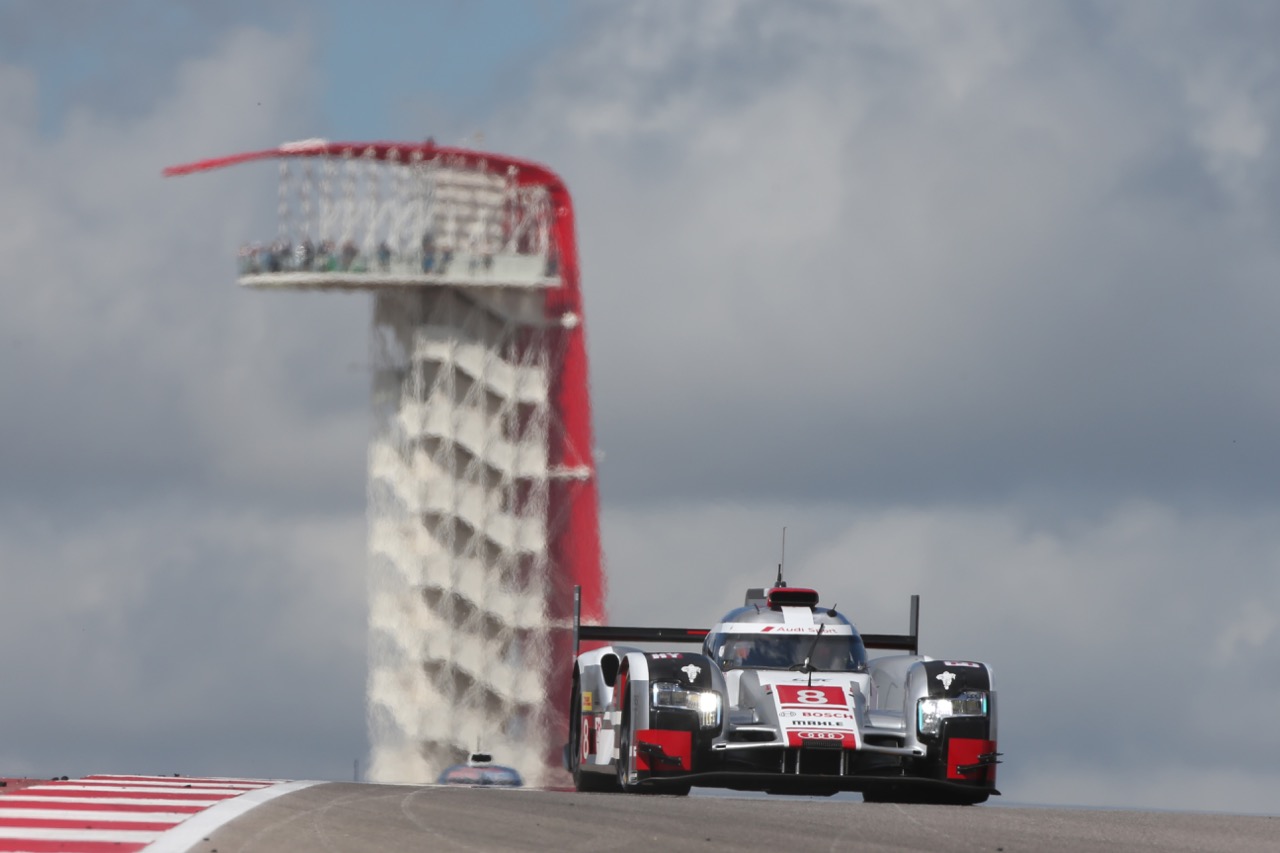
x=482 y=495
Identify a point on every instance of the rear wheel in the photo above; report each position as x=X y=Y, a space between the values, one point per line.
x=583 y=780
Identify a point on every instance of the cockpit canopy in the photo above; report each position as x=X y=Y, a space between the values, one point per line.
x=786 y=629
x=831 y=652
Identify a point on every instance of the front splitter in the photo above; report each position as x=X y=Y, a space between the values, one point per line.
x=802 y=783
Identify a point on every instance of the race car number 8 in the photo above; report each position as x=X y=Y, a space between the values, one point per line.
x=799 y=696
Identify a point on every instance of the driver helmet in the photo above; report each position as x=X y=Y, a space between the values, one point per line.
x=736 y=651
x=828 y=656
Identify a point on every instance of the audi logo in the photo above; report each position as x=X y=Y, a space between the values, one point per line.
x=821 y=735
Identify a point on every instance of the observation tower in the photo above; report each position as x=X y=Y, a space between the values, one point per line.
x=482 y=494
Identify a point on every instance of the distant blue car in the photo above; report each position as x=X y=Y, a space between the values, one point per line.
x=481 y=771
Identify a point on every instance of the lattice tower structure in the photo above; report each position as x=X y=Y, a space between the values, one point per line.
x=483 y=500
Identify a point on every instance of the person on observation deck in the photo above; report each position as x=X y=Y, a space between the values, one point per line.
x=428 y=252
x=305 y=254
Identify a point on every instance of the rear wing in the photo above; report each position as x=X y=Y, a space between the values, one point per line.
x=909 y=642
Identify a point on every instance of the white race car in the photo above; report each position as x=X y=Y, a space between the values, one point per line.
x=781 y=698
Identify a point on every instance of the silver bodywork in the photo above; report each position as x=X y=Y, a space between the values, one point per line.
x=796 y=728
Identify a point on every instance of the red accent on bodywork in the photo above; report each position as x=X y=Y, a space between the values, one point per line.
x=818 y=698
x=676 y=745
x=964 y=750
x=792 y=596
x=585 y=737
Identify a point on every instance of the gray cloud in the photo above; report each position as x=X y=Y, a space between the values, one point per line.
x=178 y=638
x=151 y=370
x=960 y=251
x=181 y=538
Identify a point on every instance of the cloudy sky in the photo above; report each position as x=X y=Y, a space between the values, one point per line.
x=978 y=299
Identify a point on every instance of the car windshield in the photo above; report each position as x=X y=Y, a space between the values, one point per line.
x=835 y=652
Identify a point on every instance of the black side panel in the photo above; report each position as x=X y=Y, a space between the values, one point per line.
x=968 y=727
x=692 y=671
x=963 y=675
x=688 y=669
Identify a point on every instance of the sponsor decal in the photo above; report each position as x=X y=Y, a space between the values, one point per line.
x=848 y=740
x=798 y=696
x=776 y=628
x=588 y=700
x=691 y=671
x=816 y=712
x=666 y=655
x=591 y=728
x=807 y=698
x=809 y=715
x=946 y=678
x=967 y=663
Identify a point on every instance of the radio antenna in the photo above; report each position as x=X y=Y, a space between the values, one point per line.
x=782 y=559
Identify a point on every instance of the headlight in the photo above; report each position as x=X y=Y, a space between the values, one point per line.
x=668 y=694
x=931 y=712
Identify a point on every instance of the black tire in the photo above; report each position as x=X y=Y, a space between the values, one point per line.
x=584 y=780
x=624 y=745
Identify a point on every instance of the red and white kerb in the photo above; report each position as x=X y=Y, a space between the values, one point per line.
x=96 y=814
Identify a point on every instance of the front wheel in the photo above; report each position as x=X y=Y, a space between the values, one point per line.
x=624 y=746
x=624 y=760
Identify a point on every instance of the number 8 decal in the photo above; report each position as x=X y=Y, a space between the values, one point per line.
x=811 y=697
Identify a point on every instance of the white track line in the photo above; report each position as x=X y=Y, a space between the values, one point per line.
x=119 y=836
x=86 y=814
x=196 y=828
x=153 y=789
